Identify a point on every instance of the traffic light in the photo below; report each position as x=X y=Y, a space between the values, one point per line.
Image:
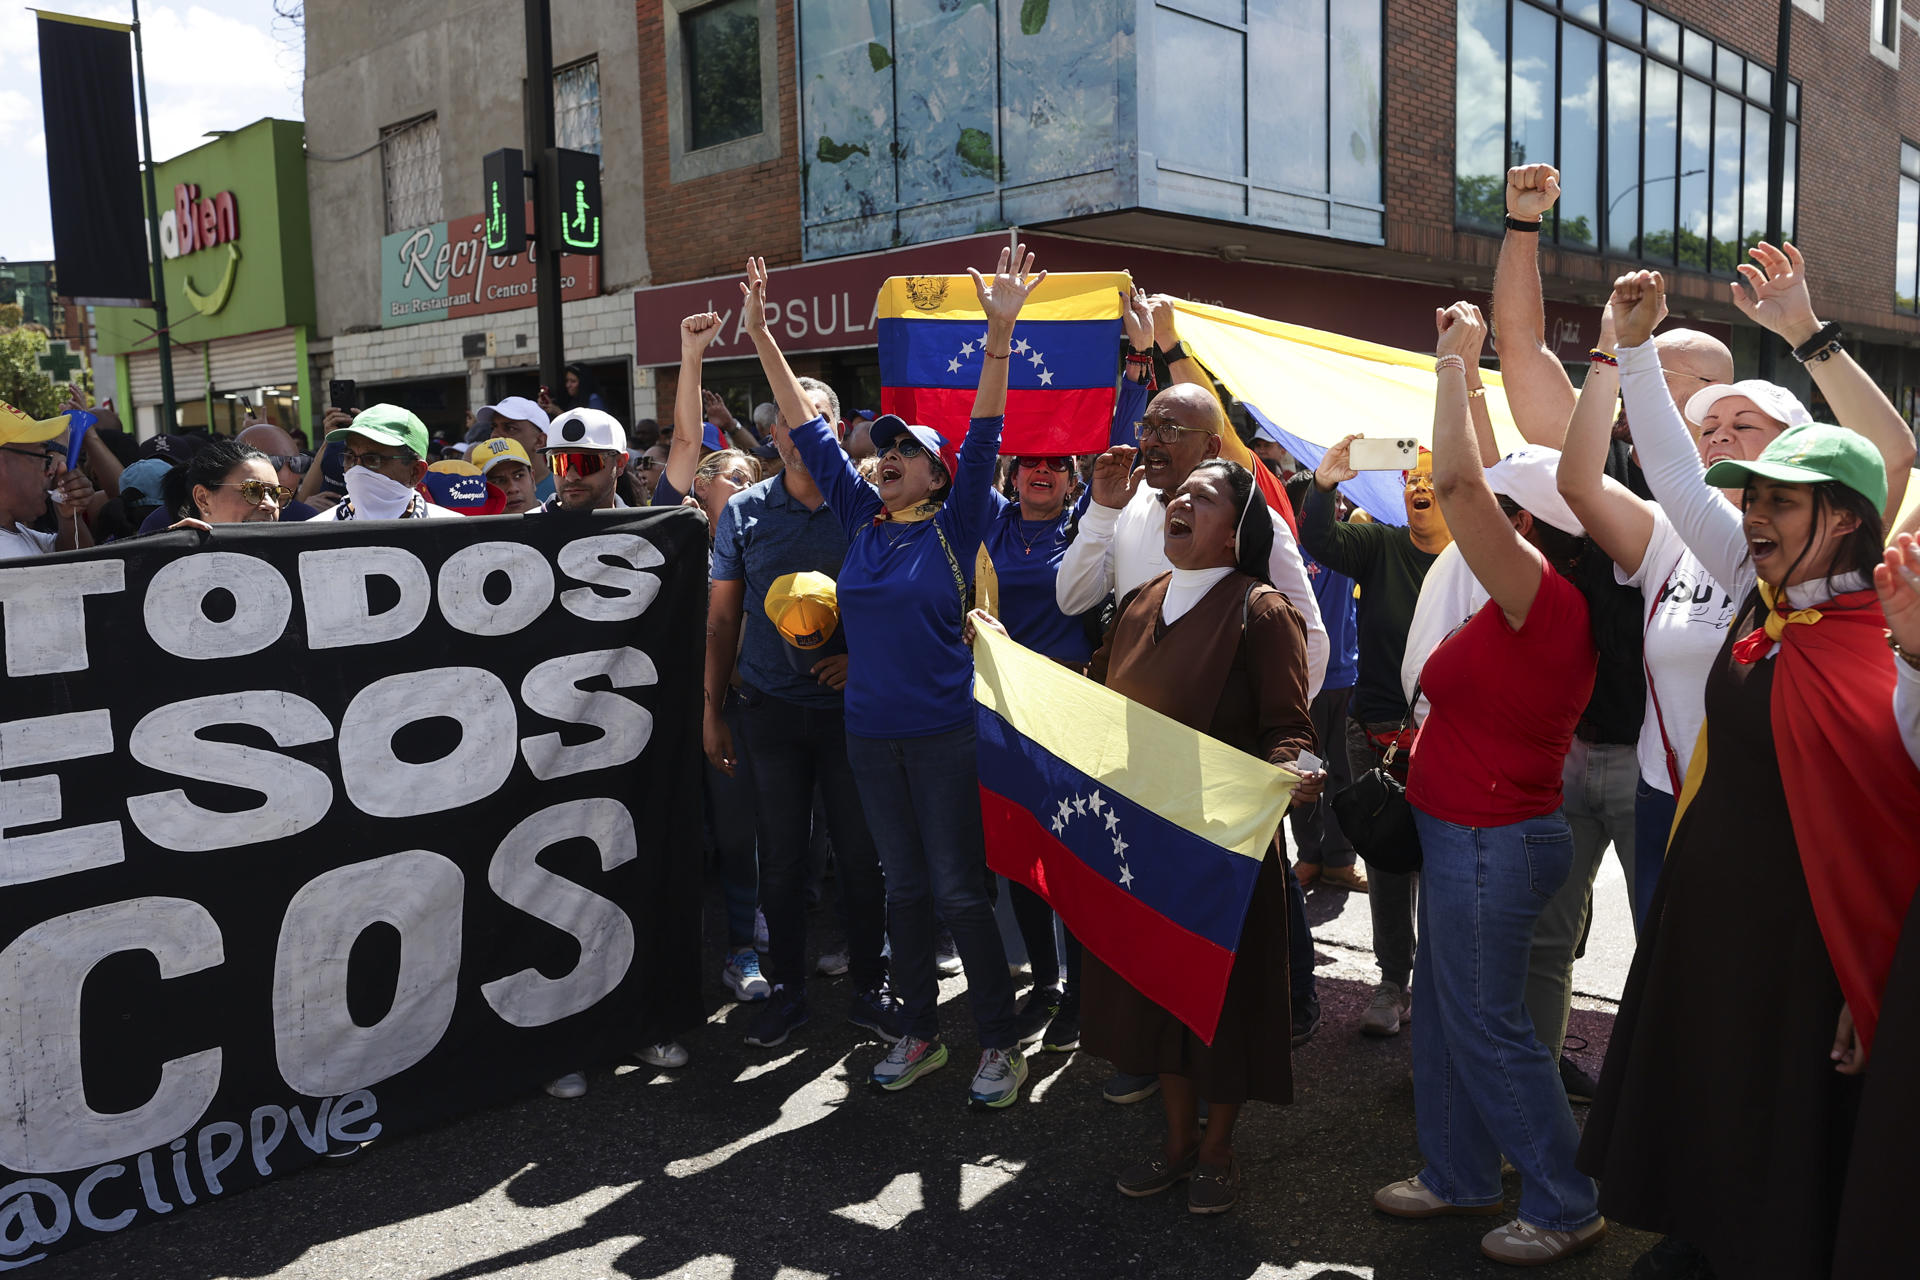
x=571 y=187
x=505 y=206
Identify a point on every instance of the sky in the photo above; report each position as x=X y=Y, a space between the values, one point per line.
x=218 y=64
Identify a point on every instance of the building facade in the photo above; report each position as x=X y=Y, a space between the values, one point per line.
x=403 y=101
x=1339 y=165
x=237 y=264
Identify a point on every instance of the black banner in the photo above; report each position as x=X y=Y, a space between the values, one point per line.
x=316 y=834
x=93 y=168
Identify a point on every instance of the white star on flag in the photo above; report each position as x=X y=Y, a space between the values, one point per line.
x=1093 y=804
x=1113 y=819
x=1036 y=359
x=1022 y=346
x=953 y=366
x=966 y=348
x=1126 y=877
x=1120 y=847
x=1066 y=810
x=1058 y=826
x=1046 y=378
x=1080 y=805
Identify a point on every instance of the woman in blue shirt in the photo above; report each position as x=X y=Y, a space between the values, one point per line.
x=909 y=692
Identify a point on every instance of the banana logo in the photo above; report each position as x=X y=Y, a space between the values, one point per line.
x=208 y=304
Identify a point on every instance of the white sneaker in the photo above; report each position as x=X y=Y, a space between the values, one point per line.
x=833 y=964
x=742 y=974
x=946 y=957
x=760 y=942
x=1391 y=1006
x=1521 y=1244
x=571 y=1085
x=666 y=1054
x=997 y=1082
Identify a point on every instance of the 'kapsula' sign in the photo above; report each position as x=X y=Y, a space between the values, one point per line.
x=298 y=829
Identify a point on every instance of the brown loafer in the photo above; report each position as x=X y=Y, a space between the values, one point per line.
x=1352 y=879
x=1306 y=872
x=1151 y=1177
x=1214 y=1188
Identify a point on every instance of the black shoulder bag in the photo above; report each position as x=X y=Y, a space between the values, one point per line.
x=1374 y=813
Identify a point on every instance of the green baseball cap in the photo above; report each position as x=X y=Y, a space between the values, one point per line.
x=387 y=424
x=1813 y=453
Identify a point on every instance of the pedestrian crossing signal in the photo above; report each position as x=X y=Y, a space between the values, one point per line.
x=572 y=187
x=505 y=207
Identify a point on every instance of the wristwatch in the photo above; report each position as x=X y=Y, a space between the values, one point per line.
x=1907 y=656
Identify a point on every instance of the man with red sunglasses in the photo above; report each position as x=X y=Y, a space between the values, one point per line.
x=587 y=450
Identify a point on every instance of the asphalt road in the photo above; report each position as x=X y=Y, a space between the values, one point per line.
x=784 y=1165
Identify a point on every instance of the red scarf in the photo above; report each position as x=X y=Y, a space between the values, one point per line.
x=1852 y=791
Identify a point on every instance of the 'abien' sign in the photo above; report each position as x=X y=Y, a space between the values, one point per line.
x=196 y=222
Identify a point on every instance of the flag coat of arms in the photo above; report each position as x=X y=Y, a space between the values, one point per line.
x=1060 y=377
x=1145 y=835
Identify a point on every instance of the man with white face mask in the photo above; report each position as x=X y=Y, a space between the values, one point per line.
x=385 y=459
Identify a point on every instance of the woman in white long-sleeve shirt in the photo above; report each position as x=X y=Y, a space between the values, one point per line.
x=1791 y=864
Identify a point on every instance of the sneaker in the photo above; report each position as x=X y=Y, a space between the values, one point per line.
x=1521 y=1244
x=1124 y=1088
x=877 y=1011
x=1306 y=1020
x=1672 y=1259
x=946 y=958
x=785 y=1014
x=1214 y=1188
x=1351 y=878
x=997 y=1082
x=907 y=1061
x=833 y=964
x=1063 y=1033
x=571 y=1085
x=743 y=975
x=667 y=1053
x=1036 y=1015
x=760 y=942
x=1388 y=1009
x=1579 y=1085
x=1412 y=1199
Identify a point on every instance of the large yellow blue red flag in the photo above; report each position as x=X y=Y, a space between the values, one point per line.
x=1060 y=379
x=1145 y=835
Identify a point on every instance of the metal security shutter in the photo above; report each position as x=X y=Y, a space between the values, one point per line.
x=143 y=375
x=251 y=360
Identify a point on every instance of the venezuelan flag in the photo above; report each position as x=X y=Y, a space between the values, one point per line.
x=1061 y=378
x=1144 y=835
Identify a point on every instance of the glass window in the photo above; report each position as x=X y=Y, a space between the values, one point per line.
x=1579 y=206
x=1789 y=189
x=1530 y=127
x=1696 y=148
x=1353 y=126
x=1204 y=130
x=1753 y=200
x=1623 y=150
x=1699 y=53
x=1659 y=190
x=1287 y=143
x=1663 y=35
x=1906 y=285
x=1727 y=141
x=1886 y=23
x=1480 y=115
x=1793 y=100
x=1759 y=83
x=1588 y=10
x=846 y=73
x=722 y=43
x=576 y=107
x=410 y=165
x=1623 y=19
x=1730 y=70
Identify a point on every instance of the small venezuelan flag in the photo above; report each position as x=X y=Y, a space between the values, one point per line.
x=1060 y=379
x=1145 y=835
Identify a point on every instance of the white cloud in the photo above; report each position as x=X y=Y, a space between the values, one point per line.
x=196 y=55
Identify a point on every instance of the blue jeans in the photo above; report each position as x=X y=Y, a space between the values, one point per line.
x=799 y=756
x=1483 y=1084
x=1653 y=811
x=922 y=799
x=730 y=819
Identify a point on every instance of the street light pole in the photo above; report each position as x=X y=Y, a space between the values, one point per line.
x=547 y=240
x=165 y=349
x=1777 y=157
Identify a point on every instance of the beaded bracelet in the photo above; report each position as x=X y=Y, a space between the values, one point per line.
x=1600 y=357
x=1450 y=362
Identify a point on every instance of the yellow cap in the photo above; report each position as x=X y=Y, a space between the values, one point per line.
x=804 y=607
x=455 y=467
x=17 y=428
x=499 y=449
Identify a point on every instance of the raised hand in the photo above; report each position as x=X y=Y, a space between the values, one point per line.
x=1165 y=335
x=1462 y=332
x=698 y=332
x=1775 y=296
x=716 y=409
x=1531 y=191
x=1137 y=315
x=1897 y=579
x=1336 y=464
x=753 y=297
x=1013 y=280
x=1115 y=478
x=1639 y=304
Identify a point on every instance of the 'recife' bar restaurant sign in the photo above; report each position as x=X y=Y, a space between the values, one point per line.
x=442 y=271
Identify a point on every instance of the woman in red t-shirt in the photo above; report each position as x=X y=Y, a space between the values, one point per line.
x=1506 y=691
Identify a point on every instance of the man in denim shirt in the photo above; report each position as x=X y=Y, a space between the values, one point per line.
x=794 y=731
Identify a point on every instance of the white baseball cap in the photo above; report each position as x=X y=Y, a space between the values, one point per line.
x=1772 y=399
x=1529 y=477
x=586 y=429
x=520 y=409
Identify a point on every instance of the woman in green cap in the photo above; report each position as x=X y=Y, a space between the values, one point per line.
x=1726 y=1107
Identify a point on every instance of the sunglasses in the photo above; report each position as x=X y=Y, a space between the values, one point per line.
x=907 y=446
x=255 y=492
x=294 y=462
x=1057 y=463
x=582 y=463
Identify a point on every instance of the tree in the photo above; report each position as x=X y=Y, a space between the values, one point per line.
x=22 y=384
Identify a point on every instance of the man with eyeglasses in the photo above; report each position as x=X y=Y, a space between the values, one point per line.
x=30 y=472
x=386 y=459
x=586 y=451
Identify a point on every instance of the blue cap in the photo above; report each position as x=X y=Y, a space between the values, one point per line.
x=142 y=484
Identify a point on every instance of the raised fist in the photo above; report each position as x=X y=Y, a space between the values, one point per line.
x=1531 y=191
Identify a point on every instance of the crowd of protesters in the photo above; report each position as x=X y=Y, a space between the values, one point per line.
x=1681 y=622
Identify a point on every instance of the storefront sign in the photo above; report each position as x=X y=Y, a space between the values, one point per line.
x=443 y=270
x=197 y=222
